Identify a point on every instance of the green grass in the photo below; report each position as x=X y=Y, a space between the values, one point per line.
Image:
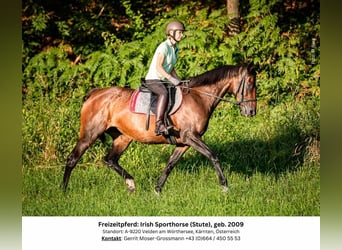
x=98 y=191
x=271 y=161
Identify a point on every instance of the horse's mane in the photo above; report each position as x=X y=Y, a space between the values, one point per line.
x=215 y=75
x=90 y=92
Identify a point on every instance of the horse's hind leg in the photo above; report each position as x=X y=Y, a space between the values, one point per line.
x=82 y=145
x=176 y=155
x=120 y=144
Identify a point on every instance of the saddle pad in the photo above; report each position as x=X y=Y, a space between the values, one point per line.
x=140 y=102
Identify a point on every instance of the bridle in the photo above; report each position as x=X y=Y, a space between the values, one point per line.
x=185 y=85
x=242 y=87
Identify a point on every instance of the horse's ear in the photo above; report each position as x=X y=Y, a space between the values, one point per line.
x=250 y=67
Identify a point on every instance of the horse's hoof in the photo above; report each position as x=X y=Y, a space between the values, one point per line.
x=106 y=161
x=224 y=189
x=130 y=185
x=157 y=191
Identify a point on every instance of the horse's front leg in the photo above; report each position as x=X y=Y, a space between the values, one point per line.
x=176 y=155
x=198 y=144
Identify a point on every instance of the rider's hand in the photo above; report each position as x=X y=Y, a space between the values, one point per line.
x=174 y=81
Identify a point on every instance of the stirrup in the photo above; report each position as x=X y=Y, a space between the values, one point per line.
x=162 y=129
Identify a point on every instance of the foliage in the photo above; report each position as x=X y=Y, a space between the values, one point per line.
x=285 y=63
x=80 y=23
x=283 y=57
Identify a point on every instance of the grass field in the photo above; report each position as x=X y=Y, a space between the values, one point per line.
x=271 y=161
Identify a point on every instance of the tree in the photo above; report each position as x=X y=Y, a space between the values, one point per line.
x=233 y=16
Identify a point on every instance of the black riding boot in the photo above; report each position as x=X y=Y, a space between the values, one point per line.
x=160 y=110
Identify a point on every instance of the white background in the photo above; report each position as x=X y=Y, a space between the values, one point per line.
x=265 y=233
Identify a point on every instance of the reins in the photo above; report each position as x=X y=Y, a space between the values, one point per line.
x=185 y=85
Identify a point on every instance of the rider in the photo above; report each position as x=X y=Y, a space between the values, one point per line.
x=162 y=69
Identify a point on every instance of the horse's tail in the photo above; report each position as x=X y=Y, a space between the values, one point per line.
x=103 y=138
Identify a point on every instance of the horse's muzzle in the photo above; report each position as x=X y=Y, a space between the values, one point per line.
x=248 y=110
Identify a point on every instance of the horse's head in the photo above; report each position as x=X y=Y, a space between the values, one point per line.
x=245 y=93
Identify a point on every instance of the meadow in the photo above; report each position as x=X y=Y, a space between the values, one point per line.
x=272 y=163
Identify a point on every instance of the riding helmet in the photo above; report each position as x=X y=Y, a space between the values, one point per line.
x=174 y=25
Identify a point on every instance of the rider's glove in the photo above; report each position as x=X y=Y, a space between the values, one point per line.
x=174 y=81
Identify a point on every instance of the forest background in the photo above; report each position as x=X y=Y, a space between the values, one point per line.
x=70 y=47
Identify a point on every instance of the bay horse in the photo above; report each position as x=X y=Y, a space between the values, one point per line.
x=106 y=110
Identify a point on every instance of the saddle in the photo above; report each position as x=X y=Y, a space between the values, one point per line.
x=143 y=101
